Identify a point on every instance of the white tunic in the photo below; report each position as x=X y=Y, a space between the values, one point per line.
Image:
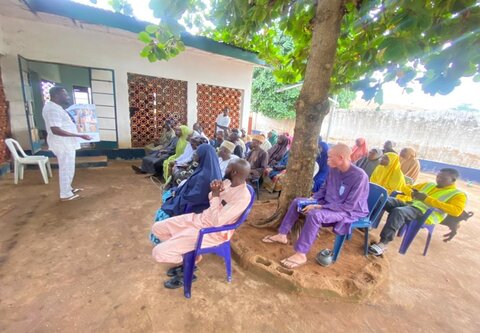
x=55 y=116
x=222 y=121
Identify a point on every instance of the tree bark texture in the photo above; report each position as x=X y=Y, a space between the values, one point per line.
x=311 y=107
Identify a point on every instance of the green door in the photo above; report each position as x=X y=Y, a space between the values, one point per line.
x=29 y=104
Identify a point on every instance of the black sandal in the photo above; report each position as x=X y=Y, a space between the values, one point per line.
x=178 y=270
x=177 y=282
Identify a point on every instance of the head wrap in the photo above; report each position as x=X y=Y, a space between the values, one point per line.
x=229 y=145
x=259 y=137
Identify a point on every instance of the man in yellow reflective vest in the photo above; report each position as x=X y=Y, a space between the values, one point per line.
x=443 y=196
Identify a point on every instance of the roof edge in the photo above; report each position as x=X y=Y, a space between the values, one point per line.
x=93 y=15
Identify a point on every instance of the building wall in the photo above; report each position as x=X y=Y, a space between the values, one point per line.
x=81 y=45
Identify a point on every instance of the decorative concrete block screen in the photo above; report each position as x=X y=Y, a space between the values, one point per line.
x=152 y=101
x=210 y=102
x=4 y=124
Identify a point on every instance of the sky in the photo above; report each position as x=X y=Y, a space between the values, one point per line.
x=467 y=93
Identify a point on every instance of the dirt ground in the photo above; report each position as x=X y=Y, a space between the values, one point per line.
x=353 y=276
x=85 y=266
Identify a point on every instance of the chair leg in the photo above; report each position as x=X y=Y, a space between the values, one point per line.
x=49 y=169
x=365 y=245
x=429 y=238
x=228 y=261
x=410 y=234
x=16 y=167
x=43 y=170
x=188 y=263
x=337 y=247
x=21 y=169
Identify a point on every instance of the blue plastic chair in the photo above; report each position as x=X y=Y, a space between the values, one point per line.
x=410 y=230
x=222 y=250
x=256 y=183
x=377 y=197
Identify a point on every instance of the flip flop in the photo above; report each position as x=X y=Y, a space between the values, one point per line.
x=376 y=250
x=290 y=264
x=76 y=190
x=270 y=240
x=177 y=282
x=73 y=197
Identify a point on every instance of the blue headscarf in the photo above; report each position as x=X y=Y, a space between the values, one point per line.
x=322 y=173
x=283 y=163
x=194 y=193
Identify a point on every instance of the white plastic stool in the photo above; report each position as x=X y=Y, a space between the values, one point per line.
x=23 y=159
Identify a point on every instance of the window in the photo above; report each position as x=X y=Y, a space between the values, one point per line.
x=46 y=85
x=82 y=95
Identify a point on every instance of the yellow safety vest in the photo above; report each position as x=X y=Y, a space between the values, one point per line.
x=442 y=195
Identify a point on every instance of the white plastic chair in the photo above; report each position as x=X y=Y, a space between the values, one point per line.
x=23 y=159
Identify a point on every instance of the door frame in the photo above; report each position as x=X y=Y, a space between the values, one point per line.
x=89 y=68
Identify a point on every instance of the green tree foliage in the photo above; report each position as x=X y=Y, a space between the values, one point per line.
x=336 y=44
x=435 y=42
x=345 y=97
x=267 y=101
x=119 y=6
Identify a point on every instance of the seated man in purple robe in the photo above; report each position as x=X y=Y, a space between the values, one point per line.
x=340 y=201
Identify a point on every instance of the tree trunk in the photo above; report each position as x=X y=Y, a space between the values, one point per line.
x=311 y=107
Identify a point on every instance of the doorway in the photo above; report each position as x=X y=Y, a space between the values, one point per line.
x=85 y=85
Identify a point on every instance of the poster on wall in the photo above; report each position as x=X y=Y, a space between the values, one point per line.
x=86 y=120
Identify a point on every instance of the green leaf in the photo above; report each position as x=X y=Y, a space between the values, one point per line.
x=409 y=90
x=146 y=51
x=144 y=37
x=152 y=57
x=151 y=28
x=181 y=46
x=476 y=78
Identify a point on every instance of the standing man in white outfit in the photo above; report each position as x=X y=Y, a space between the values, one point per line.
x=223 y=120
x=62 y=139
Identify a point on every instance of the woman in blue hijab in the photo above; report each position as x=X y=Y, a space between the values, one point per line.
x=194 y=192
x=321 y=160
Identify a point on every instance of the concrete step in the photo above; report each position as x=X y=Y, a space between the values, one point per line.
x=84 y=162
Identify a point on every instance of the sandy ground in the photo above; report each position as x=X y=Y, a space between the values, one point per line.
x=85 y=266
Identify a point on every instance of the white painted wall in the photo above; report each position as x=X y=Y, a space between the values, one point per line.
x=52 y=39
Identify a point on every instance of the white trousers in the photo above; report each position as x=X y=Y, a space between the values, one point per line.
x=66 y=171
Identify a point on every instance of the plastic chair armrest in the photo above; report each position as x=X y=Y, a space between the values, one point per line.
x=211 y=230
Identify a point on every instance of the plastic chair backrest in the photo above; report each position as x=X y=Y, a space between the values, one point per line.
x=377 y=197
x=227 y=227
x=247 y=210
x=14 y=148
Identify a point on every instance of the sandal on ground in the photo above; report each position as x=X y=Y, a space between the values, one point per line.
x=76 y=190
x=73 y=197
x=178 y=270
x=270 y=240
x=376 y=250
x=291 y=264
x=177 y=282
